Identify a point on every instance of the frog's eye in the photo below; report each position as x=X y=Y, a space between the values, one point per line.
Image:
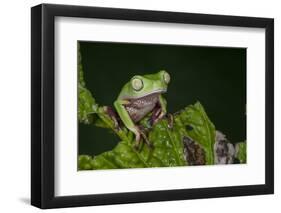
x=137 y=84
x=166 y=77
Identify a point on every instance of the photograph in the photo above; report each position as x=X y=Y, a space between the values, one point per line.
x=136 y=105
x=144 y=105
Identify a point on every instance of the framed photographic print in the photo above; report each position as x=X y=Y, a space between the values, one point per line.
x=140 y=106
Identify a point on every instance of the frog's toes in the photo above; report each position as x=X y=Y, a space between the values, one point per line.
x=112 y=114
x=138 y=136
x=170 y=118
x=157 y=115
x=149 y=144
x=137 y=145
x=141 y=136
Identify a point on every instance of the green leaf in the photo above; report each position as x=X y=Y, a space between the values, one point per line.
x=86 y=103
x=86 y=106
x=241 y=152
x=199 y=128
x=168 y=150
x=84 y=162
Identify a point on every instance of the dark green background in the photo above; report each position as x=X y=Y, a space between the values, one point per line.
x=214 y=76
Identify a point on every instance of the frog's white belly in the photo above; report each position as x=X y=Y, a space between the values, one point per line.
x=138 y=108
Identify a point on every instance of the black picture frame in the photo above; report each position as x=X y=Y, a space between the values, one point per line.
x=43 y=117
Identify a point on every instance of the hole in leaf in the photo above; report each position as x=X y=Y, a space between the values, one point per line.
x=188 y=127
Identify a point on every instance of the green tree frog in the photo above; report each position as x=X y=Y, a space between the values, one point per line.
x=140 y=96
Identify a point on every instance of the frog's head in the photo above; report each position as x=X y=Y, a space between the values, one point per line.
x=140 y=86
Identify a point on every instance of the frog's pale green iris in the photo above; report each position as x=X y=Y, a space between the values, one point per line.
x=137 y=84
x=167 y=77
x=140 y=96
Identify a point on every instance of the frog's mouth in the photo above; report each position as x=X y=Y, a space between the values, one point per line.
x=158 y=91
x=155 y=92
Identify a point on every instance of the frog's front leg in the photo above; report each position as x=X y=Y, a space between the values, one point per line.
x=159 y=111
x=163 y=105
x=126 y=119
